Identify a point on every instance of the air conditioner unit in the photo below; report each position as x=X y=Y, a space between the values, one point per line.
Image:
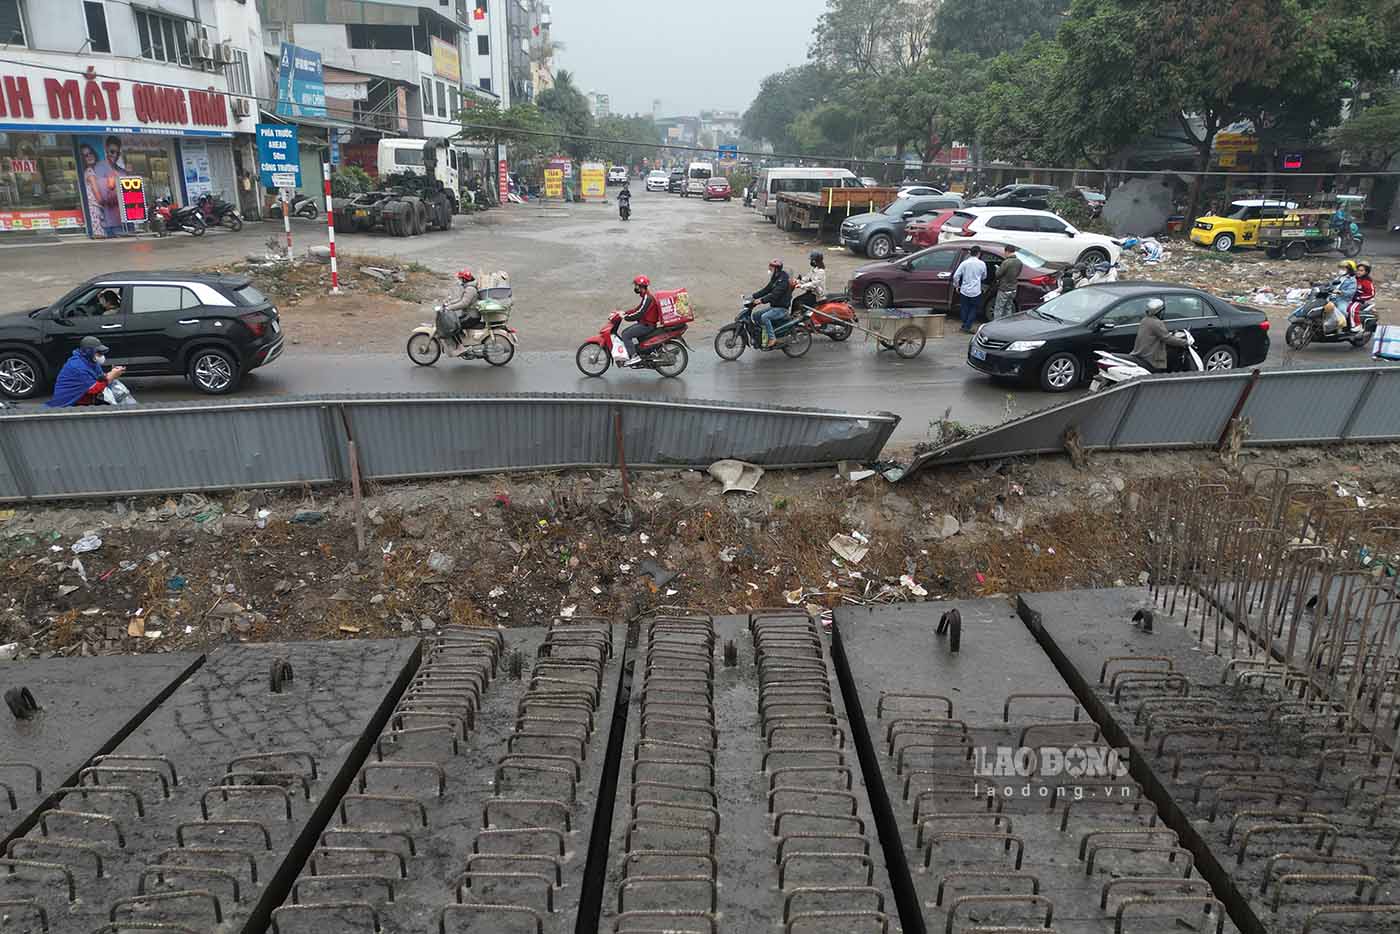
x=223 y=53
x=202 y=50
x=241 y=107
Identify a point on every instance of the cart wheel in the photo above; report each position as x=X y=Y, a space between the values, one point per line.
x=1273 y=252
x=909 y=341
x=1296 y=249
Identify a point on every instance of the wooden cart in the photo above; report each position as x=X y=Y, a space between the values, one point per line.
x=903 y=330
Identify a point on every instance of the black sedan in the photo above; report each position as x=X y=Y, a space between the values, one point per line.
x=1054 y=345
x=211 y=329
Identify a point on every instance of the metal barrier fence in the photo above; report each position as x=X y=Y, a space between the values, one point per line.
x=290 y=442
x=1182 y=411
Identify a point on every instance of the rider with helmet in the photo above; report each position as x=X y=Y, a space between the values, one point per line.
x=466 y=301
x=647 y=314
x=811 y=287
x=1365 y=293
x=1153 y=338
x=778 y=294
x=1343 y=291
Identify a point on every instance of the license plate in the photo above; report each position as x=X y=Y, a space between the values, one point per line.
x=362 y=214
x=276 y=328
x=978 y=353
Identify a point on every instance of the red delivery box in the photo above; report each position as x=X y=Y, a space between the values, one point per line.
x=675 y=307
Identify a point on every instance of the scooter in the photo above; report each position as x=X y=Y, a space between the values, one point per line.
x=1115 y=368
x=494 y=341
x=832 y=316
x=219 y=213
x=1308 y=322
x=665 y=351
x=624 y=208
x=793 y=333
x=299 y=206
x=170 y=217
x=1082 y=274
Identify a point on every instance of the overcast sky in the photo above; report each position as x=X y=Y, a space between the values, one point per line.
x=692 y=55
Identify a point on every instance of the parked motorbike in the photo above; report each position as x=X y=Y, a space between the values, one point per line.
x=793 y=333
x=494 y=341
x=1308 y=322
x=172 y=217
x=833 y=317
x=1115 y=368
x=299 y=206
x=665 y=351
x=219 y=213
x=1075 y=276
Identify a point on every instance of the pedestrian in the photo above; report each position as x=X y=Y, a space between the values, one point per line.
x=1008 y=277
x=968 y=279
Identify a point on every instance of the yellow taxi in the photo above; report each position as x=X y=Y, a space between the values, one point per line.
x=1238 y=227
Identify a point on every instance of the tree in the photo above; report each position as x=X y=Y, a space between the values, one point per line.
x=782 y=97
x=963 y=25
x=1373 y=135
x=565 y=105
x=638 y=129
x=874 y=37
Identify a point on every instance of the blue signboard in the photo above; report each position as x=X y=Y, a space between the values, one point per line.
x=728 y=153
x=301 y=91
x=279 y=155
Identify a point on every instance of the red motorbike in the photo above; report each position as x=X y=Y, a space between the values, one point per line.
x=665 y=351
x=833 y=316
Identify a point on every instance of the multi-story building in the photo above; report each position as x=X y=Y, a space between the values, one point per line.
x=723 y=125
x=488 y=45
x=94 y=92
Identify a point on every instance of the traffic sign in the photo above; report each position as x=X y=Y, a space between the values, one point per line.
x=284 y=180
x=279 y=155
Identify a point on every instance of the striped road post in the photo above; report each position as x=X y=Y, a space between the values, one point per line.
x=330 y=228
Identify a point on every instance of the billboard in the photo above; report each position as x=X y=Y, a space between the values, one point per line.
x=301 y=91
x=593 y=178
x=446 y=62
x=554 y=183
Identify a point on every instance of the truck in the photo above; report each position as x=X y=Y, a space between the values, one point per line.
x=424 y=178
x=825 y=208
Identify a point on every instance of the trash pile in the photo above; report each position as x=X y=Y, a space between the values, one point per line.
x=308 y=278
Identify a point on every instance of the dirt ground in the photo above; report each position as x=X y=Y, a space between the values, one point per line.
x=194 y=571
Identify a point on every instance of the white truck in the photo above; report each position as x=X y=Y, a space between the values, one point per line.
x=426 y=176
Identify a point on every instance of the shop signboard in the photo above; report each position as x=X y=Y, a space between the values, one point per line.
x=593 y=180
x=1236 y=142
x=41 y=220
x=554 y=183
x=503 y=180
x=301 y=87
x=279 y=153
x=38 y=99
x=133 y=199
x=446 y=61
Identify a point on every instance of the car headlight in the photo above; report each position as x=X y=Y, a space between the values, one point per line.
x=857 y=226
x=1024 y=346
x=1204 y=226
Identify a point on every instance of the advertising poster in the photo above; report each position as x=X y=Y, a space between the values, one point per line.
x=195 y=155
x=593 y=179
x=101 y=165
x=301 y=88
x=446 y=62
x=554 y=183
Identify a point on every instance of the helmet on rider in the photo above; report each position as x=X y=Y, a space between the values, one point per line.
x=641 y=284
x=1155 y=307
x=775 y=264
x=465 y=276
x=816 y=258
x=1347 y=265
x=1363 y=269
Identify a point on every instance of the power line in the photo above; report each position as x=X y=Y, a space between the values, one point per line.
x=804 y=157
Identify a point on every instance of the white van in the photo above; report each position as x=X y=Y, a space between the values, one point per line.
x=695 y=178
x=773 y=181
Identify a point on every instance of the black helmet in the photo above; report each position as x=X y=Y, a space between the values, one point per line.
x=93 y=344
x=816 y=258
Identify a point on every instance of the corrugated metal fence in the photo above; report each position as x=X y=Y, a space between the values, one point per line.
x=1183 y=411
x=293 y=441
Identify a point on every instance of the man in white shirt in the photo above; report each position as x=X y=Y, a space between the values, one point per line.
x=968 y=279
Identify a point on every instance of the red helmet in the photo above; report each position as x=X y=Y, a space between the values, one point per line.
x=776 y=264
x=642 y=282
x=466 y=276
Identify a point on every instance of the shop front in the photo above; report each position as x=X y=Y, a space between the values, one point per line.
x=67 y=140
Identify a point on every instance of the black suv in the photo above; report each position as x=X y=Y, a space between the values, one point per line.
x=1030 y=197
x=676 y=183
x=210 y=329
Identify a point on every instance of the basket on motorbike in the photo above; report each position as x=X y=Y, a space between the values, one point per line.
x=903 y=330
x=493 y=311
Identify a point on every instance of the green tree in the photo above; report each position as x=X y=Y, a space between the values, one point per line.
x=874 y=37
x=639 y=131
x=991 y=27
x=1373 y=135
x=565 y=106
x=522 y=127
x=782 y=97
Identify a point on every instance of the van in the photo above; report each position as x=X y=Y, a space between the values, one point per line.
x=771 y=182
x=695 y=178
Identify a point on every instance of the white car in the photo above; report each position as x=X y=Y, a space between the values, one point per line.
x=617 y=175
x=658 y=180
x=919 y=191
x=1040 y=232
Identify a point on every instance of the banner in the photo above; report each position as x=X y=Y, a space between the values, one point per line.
x=446 y=62
x=301 y=90
x=593 y=179
x=195 y=156
x=554 y=183
x=41 y=220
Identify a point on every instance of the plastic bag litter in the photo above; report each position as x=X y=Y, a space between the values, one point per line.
x=86 y=543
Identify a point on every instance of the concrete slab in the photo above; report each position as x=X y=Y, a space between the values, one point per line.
x=1255 y=764
x=950 y=735
x=86 y=707
x=162 y=803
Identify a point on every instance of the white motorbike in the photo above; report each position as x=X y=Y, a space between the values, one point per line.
x=1117 y=368
x=1082 y=274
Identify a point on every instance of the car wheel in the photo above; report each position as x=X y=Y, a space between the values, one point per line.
x=19 y=375
x=214 y=371
x=1220 y=358
x=1095 y=257
x=880 y=246
x=1296 y=249
x=1060 y=373
x=878 y=295
x=1223 y=243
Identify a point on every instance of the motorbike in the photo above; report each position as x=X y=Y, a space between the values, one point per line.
x=494 y=341
x=1082 y=274
x=1115 y=368
x=219 y=213
x=832 y=316
x=1308 y=322
x=665 y=351
x=299 y=206
x=750 y=193
x=793 y=333
x=624 y=208
x=172 y=217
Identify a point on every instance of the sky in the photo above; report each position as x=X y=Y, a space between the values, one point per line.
x=707 y=55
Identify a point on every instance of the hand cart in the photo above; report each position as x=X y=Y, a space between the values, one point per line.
x=903 y=330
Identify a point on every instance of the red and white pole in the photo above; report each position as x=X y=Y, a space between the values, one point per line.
x=330 y=229
x=287 y=219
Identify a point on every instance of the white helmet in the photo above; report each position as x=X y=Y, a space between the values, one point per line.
x=1155 y=307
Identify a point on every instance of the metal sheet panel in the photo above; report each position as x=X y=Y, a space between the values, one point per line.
x=1378 y=417
x=1182 y=411
x=1303 y=406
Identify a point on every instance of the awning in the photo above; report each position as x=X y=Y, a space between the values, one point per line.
x=320 y=123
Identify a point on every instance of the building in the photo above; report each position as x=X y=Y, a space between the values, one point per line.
x=92 y=93
x=542 y=49
x=600 y=105
x=488 y=45
x=721 y=126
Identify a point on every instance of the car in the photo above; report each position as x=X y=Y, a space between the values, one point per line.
x=918 y=191
x=1041 y=232
x=1035 y=197
x=1092 y=200
x=657 y=180
x=923 y=232
x=1239 y=226
x=717 y=189
x=876 y=234
x=925 y=279
x=211 y=329
x=869 y=182
x=1054 y=345
x=618 y=175
x=675 y=182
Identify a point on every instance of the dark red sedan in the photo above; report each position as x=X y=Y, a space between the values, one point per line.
x=717 y=189
x=925 y=279
x=922 y=232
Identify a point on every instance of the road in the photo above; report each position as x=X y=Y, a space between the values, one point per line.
x=570 y=264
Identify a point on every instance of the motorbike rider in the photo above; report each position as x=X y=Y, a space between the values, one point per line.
x=460 y=314
x=1153 y=338
x=1343 y=291
x=647 y=314
x=624 y=201
x=778 y=294
x=811 y=287
x=82 y=379
x=1365 y=294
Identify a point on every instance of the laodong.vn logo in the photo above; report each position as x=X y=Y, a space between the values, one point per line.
x=1076 y=762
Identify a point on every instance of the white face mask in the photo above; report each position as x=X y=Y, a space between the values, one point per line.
x=100 y=359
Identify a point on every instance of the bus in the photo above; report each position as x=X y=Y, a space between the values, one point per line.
x=771 y=182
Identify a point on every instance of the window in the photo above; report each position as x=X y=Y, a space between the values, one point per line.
x=408 y=156
x=442 y=99
x=481 y=5
x=484 y=84
x=249 y=295
x=1127 y=314
x=240 y=79
x=483 y=45
x=96 y=15
x=149 y=299
x=1180 y=307
x=1012 y=222
x=163 y=38
x=374 y=36
x=934 y=261
x=427 y=97
x=11 y=23
x=1050 y=225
